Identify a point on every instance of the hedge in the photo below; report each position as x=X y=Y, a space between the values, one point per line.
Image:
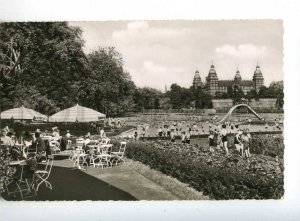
x=214 y=174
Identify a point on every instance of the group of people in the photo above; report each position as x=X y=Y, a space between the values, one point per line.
x=26 y=142
x=242 y=140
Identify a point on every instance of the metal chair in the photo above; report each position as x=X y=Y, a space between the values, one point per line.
x=104 y=156
x=117 y=157
x=19 y=183
x=41 y=176
x=80 y=158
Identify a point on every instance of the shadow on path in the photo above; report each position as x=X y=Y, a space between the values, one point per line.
x=73 y=184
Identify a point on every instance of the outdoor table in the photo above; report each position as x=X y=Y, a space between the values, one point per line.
x=80 y=157
x=18 y=163
x=47 y=138
x=22 y=184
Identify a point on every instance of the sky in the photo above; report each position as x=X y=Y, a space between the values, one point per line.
x=159 y=53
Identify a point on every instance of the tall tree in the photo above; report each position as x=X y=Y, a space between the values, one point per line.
x=42 y=64
x=108 y=88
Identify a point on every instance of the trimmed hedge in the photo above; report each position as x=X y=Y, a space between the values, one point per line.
x=214 y=174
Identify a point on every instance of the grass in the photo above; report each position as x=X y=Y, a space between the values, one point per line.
x=181 y=190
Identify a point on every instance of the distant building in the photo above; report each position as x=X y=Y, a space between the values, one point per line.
x=214 y=85
x=197 y=80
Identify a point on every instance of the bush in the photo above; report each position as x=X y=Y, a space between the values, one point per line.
x=270 y=145
x=212 y=173
x=5 y=170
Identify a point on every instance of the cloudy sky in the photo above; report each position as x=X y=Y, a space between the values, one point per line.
x=165 y=52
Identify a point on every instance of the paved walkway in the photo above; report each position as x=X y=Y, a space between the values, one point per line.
x=127 y=180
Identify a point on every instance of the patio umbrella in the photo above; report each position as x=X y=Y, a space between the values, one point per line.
x=22 y=113
x=76 y=114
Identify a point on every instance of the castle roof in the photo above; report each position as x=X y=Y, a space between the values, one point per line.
x=237 y=76
x=212 y=74
x=226 y=83
x=246 y=83
x=229 y=83
x=257 y=73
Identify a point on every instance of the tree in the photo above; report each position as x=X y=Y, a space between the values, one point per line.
x=252 y=95
x=42 y=64
x=108 y=88
x=276 y=91
x=176 y=96
x=264 y=92
x=238 y=94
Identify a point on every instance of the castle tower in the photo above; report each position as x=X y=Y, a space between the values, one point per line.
x=237 y=77
x=258 y=79
x=197 y=80
x=212 y=81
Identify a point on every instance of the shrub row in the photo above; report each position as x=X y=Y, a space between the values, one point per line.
x=214 y=174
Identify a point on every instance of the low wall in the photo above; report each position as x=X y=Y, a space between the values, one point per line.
x=263 y=104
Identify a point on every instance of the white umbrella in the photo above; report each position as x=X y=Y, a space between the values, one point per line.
x=76 y=114
x=22 y=113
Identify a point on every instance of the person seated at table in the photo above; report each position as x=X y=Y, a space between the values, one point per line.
x=39 y=142
x=87 y=140
x=55 y=132
x=5 y=139
x=68 y=135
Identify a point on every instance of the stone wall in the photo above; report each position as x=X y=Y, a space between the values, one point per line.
x=261 y=104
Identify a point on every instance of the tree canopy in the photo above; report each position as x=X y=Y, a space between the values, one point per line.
x=44 y=67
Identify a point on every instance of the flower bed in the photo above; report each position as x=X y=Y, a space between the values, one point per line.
x=220 y=177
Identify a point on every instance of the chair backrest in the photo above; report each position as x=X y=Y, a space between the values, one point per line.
x=106 y=147
x=49 y=165
x=122 y=147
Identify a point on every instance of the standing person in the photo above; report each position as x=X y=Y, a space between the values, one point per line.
x=246 y=143
x=172 y=136
x=188 y=138
x=39 y=142
x=143 y=131
x=168 y=131
x=135 y=134
x=98 y=126
x=211 y=141
x=101 y=133
x=146 y=130
x=266 y=126
x=183 y=137
x=232 y=128
x=160 y=132
x=68 y=138
x=238 y=141
x=224 y=138
x=209 y=126
x=68 y=135
x=216 y=138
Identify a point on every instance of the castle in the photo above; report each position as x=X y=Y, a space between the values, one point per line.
x=214 y=85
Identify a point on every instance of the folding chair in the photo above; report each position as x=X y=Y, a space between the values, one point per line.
x=80 y=158
x=19 y=183
x=41 y=176
x=118 y=156
x=103 y=158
